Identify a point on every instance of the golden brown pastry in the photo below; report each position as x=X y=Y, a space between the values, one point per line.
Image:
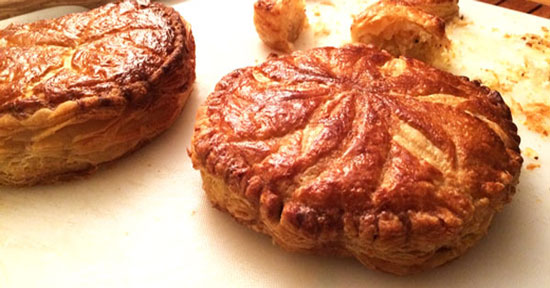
x=87 y=88
x=445 y=9
x=279 y=22
x=401 y=30
x=352 y=152
x=11 y=8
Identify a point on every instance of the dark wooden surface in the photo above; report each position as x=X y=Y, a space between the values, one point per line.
x=522 y=6
x=10 y=8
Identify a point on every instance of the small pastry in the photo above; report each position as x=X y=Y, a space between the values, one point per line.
x=279 y=22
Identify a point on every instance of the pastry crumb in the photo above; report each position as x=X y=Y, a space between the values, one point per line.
x=327 y=2
x=532 y=166
x=541 y=43
x=461 y=22
x=536 y=118
x=531 y=153
x=321 y=30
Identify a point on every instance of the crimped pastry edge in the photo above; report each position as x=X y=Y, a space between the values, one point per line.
x=226 y=199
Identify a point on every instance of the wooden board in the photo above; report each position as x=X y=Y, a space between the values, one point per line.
x=535 y=7
x=145 y=222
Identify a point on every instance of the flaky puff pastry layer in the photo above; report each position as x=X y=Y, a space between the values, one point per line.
x=445 y=9
x=279 y=22
x=401 y=30
x=88 y=88
x=352 y=152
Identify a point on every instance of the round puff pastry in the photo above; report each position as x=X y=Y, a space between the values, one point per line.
x=279 y=22
x=445 y=9
x=87 y=88
x=401 y=30
x=352 y=152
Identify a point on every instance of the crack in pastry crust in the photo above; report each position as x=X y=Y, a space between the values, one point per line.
x=87 y=88
x=329 y=152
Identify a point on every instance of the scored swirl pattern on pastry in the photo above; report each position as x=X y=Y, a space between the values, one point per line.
x=352 y=151
x=84 y=55
x=87 y=88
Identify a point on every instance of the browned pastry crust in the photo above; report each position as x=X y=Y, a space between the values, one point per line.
x=87 y=88
x=279 y=22
x=445 y=9
x=349 y=151
x=401 y=30
x=11 y=8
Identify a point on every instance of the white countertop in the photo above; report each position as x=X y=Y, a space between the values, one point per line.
x=145 y=221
